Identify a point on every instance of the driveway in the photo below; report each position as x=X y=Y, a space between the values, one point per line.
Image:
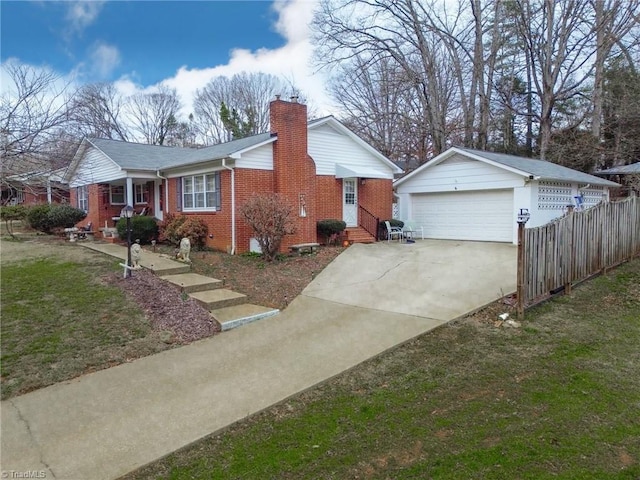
x=438 y=279
x=370 y=299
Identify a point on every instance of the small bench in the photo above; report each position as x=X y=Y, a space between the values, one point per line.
x=304 y=248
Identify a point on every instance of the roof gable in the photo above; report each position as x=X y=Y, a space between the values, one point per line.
x=340 y=128
x=527 y=167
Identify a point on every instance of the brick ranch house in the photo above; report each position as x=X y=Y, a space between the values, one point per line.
x=322 y=168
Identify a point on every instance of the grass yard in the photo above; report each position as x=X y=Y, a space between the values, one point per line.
x=60 y=319
x=557 y=398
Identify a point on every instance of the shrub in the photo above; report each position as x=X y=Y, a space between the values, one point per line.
x=270 y=217
x=330 y=228
x=10 y=213
x=65 y=216
x=143 y=228
x=38 y=217
x=195 y=230
x=169 y=228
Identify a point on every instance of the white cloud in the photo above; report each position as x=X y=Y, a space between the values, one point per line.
x=291 y=61
x=82 y=14
x=104 y=59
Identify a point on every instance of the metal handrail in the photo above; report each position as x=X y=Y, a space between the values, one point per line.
x=368 y=221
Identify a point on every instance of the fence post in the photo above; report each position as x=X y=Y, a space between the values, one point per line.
x=523 y=217
x=520 y=282
x=570 y=258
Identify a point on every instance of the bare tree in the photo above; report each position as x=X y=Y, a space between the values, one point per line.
x=154 y=115
x=32 y=109
x=248 y=94
x=33 y=112
x=613 y=21
x=377 y=104
x=98 y=110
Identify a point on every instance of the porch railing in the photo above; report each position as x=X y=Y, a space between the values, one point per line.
x=369 y=221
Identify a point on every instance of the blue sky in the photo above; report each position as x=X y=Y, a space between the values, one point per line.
x=153 y=39
x=182 y=44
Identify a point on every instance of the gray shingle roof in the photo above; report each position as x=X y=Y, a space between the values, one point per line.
x=139 y=156
x=622 y=170
x=540 y=168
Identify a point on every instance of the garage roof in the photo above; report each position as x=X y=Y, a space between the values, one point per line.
x=527 y=167
x=631 y=169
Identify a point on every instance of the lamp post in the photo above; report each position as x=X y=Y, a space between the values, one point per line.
x=127 y=212
x=523 y=217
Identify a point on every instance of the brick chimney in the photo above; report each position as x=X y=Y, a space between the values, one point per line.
x=294 y=171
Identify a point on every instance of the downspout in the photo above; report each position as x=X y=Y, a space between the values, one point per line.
x=166 y=193
x=233 y=206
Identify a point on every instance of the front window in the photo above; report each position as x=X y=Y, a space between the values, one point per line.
x=142 y=193
x=200 y=192
x=117 y=195
x=83 y=198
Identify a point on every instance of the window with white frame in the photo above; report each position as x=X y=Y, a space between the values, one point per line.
x=83 y=198
x=117 y=195
x=201 y=192
x=142 y=193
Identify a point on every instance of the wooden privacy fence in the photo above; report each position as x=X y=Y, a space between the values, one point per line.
x=579 y=245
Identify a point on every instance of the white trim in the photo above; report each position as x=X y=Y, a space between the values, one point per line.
x=124 y=194
x=204 y=192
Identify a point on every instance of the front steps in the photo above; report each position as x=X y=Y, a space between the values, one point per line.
x=359 y=235
x=227 y=307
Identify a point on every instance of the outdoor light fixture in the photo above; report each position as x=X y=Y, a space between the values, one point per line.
x=127 y=212
x=523 y=216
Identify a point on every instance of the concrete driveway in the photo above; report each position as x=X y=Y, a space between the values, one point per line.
x=438 y=279
x=370 y=299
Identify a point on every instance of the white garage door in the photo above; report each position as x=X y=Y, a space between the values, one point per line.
x=478 y=215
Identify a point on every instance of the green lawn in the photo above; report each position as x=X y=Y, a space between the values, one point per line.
x=557 y=398
x=60 y=320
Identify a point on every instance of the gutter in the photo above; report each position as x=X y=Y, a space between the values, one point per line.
x=233 y=206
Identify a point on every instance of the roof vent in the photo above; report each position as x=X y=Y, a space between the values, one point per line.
x=294 y=99
x=277 y=97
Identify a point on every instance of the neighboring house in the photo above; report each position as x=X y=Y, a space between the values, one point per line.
x=627 y=175
x=322 y=168
x=469 y=194
x=34 y=187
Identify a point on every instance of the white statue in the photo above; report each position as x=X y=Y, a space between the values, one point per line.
x=185 y=250
x=136 y=253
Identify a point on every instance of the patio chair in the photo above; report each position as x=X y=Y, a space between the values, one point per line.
x=393 y=231
x=410 y=230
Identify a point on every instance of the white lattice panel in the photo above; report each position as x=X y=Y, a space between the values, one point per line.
x=554 y=195
x=592 y=196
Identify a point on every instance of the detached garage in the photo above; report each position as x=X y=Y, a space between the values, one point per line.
x=466 y=194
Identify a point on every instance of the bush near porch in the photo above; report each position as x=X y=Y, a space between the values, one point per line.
x=143 y=228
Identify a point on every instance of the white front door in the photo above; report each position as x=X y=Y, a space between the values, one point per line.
x=350 y=201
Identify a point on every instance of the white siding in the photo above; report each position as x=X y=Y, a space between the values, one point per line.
x=95 y=167
x=459 y=174
x=328 y=147
x=260 y=158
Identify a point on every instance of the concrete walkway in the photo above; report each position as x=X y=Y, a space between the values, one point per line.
x=105 y=424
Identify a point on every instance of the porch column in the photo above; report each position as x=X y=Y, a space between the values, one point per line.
x=49 y=193
x=130 y=191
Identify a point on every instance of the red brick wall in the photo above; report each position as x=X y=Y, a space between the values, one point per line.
x=376 y=195
x=294 y=171
x=329 y=197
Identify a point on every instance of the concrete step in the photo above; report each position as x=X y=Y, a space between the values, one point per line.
x=163 y=271
x=193 y=282
x=237 y=315
x=218 y=298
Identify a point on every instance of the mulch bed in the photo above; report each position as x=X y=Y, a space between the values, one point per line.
x=168 y=309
